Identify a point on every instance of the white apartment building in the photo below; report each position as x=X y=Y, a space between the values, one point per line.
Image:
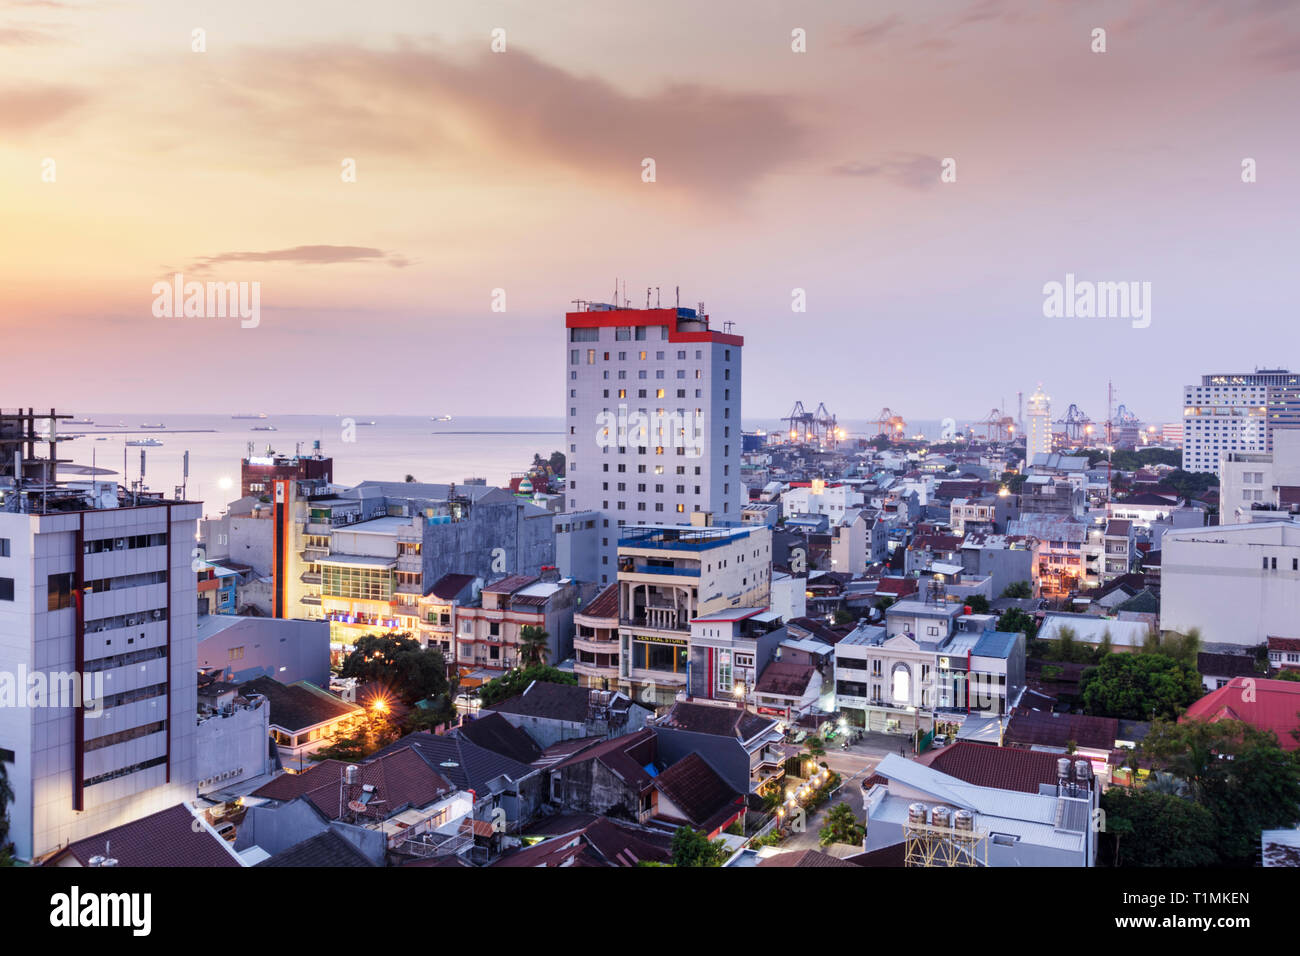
x=1237 y=412
x=1240 y=584
x=668 y=575
x=836 y=500
x=1038 y=425
x=98 y=603
x=652 y=419
x=1250 y=480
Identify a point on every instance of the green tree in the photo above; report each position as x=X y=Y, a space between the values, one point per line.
x=843 y=616
x=692 y=848
x=1288 y=673
x=1158 y=829
x=1184 y=648
x=513 y=683
x=557 y=463
x=398 y=662
x=1240 y=774
x=1019 y=590
x=978 y=604
x=1136 y=686
x=842 y=827
x=1017 y=621
x=534 y=645
x=373 y=732
x=815 y=746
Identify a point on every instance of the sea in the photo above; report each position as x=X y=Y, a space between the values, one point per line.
x=364 y=448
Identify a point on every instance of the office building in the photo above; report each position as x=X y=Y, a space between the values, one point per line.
x=1237 y=412
x=652 y=419
x=98 y=672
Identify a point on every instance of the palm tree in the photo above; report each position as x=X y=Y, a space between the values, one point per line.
x=534 y=645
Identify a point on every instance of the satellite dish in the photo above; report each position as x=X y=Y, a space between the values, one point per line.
x=356 y=806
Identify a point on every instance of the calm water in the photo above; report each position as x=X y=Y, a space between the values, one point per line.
x=390 y=449
x=395 y=446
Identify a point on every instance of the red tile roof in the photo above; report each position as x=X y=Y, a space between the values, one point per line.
x=449 y=585
x=401 y=779
x=1264 y=704
x=166 y=838
x=1007 y=768
x=695 y=789
x=1289 y=644
x=604 y=604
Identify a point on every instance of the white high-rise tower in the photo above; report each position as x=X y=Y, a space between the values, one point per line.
x=1038 y=425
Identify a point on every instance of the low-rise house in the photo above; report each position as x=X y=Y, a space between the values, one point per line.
x=1092 y=630
x=1092 y=738
x=788 y=690
x=603 y=776
x=589 y=840
x=395 y=792
x=298 y=833
x=1283 y=653
x=169 y=838
x=745 y=748
x=550 y=713
x=1263 y=704
x=437 y=611
x=488 y=631
x=1007 y=827
x=1217 y=670
x=495 y=782
x=691 y=793
x=303 y=717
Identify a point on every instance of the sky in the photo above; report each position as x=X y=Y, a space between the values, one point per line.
x=128 y=156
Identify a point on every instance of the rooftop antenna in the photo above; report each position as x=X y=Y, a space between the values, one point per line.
x=185 y=473
x=656 y=297
x=679 y=296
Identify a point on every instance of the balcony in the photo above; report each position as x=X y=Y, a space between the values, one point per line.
x=309 y=577
x=629 y=568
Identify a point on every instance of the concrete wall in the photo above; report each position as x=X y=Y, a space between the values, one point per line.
x=233 y=747
x=287 y=650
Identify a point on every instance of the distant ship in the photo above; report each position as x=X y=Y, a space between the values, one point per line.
x=80 y=421
x=366 y=423
x=158 y=425
x=263 y=428
x=443 y=418
x=144 y=443
x=118 y=425
x=258 y=415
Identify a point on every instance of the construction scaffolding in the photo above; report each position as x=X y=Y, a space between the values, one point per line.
x=943 y=837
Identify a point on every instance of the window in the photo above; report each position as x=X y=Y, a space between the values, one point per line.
x=61 y=587
x=4 y=547
x=6 y=589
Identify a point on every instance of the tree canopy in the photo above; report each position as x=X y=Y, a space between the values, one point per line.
x=1134 y=686
x=692 y=848
x=1149 y=828
x=1240 y=774
x=398 y=662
